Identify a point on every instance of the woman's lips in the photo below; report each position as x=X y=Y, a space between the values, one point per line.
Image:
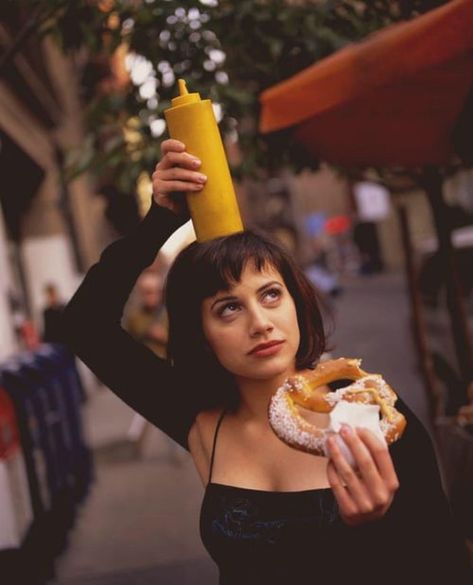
x=268 y=351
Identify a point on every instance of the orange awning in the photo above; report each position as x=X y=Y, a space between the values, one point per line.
x=390 y=100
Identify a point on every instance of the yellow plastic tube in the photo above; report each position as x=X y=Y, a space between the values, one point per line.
x=214 y=210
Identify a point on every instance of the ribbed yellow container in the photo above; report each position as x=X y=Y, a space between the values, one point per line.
x=214 y=209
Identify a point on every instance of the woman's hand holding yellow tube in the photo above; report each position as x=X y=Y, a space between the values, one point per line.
x=174 y=175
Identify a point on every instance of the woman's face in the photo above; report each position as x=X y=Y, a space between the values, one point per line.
x=256 y=311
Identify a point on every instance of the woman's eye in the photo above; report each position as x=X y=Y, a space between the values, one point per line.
x=228 y=309
x=273 y=294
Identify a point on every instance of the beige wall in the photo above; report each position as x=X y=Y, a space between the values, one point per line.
x=45 y=233
x=320 y=191
x=326 y=191
x=420 y=225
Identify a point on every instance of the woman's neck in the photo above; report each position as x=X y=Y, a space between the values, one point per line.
x=255 y=396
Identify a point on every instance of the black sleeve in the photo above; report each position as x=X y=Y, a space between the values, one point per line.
x=92 y=324
x=424 y=541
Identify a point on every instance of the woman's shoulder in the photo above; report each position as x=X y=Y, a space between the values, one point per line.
x=204 y=426
x=200 y=439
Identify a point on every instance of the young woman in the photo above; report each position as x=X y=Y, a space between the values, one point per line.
x=242 y=318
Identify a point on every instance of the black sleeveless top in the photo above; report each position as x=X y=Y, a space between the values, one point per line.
x=269 y=538
x=259 y=537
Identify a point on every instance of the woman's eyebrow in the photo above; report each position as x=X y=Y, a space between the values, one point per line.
x=234 y=298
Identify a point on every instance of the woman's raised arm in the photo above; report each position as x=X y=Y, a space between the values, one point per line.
x=92 y=318
x=92 y=323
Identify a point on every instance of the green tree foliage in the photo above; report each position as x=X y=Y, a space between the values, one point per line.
x=228 y=50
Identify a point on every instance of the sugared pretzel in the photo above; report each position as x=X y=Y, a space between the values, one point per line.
x=306 y=390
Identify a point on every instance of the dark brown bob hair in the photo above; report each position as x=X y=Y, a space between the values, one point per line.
x=203 y=269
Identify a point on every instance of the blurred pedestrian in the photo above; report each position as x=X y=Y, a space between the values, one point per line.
x=373 y=205
x=147 y=322
x=243 y=317
x=52 y=315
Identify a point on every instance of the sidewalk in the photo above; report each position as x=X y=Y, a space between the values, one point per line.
x=139 y=525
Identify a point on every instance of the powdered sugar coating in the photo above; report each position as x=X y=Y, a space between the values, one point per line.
x=289 y=425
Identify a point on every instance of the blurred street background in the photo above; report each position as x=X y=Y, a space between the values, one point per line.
x=348 y=127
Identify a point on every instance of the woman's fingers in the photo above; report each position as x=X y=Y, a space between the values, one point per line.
x=349 y=478
x=381 y=457
x=366 y=491
x=174 y=154
x=164 y=188
x=172 y=145
x=379 y=491
x=345 y=502
x=181 y=159
x=361 y=454
x=176 y=173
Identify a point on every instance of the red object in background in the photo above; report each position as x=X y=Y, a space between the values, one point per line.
x=392 y=99
x=29 y=335
x=338 y=224
x=15 y=499
x=9 y=435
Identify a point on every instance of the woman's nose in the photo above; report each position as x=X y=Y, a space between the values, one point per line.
x=260 y=321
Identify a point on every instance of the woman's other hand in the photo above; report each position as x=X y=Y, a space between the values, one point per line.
x=366 y=492
x=175 y=174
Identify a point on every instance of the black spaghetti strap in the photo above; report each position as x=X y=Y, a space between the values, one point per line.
x=212 y=457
